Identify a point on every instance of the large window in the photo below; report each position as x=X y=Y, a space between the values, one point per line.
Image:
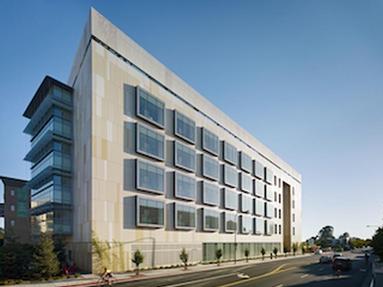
x=210 y=167
x=230 y=222
x=268 y=227
x=150 y=108
x=184 y=127
x=209 y=141
x=210 y=219
x=269 y=175
x=246 y=162
x=246 y=183
x=246 y=203
x=230 y=199
x=259 y=188
x=269 y=192
x=150 y=177
x=210 y=194
x=230 y=153
x=150 y=143
x=184 y=216
x=150 y=212
x=259 y=170
x=259 y=224
x=185 y=186
x=268 y=210
x=230 y=176
x=184 y=156
x=246 y=224
x=259 y=207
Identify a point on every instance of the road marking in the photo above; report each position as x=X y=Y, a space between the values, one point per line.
x=280 y=285
x=201 y=280
x=275 y=271
x=304 y=275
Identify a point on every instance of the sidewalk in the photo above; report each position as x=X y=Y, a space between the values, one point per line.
x=92 y=280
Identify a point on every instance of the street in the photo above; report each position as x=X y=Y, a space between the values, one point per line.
x=291 y=272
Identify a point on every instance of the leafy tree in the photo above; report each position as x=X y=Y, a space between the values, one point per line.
x=45 y=262
x=295 y=248
x=60 y=250
x=325 y=236
x=218 y=255
x=377 y=243
x=263 y=252
x=184 y=256
x=247 y=253
x=275 y=251
x=138 y=258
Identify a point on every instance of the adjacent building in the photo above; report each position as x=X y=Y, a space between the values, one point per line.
x=128 y=153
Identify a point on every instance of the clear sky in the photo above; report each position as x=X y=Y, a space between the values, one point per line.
x=305 y=77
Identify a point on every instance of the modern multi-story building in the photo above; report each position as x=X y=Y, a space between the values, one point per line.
x=127 y=152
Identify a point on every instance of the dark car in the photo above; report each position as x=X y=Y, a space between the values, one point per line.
x=342 y=264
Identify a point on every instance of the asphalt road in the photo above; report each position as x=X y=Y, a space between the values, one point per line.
x=291 y=272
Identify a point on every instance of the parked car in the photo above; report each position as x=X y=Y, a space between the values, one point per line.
x=338 y=254
x=325 y=259
x=342 y=264
x=318 y=252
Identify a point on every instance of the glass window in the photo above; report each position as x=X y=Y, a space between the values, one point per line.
x=259 y=207
x=230 y=222
x=268 y=229
x=230 y=176
x=280 y=213
x=184 y=156
x=150 y=143
x=259 y=226
x=230 y=153
x=268 y=210
x=259 y=188
x=259 y=170
x=293 y=203
x=293 y=217
x=184 y=127
x=230 y=199
x=210 y=219
x=185 y=186
x=150 y=177
x=150 y=212
x=268 y=193
x=246 y=203
x=184 y=216
x=210 y=167
x=150 y=108
x=280 y=229
x=210 y=193
x=209 y=141
x=293 y=230
x=269 y=175
x=246 y=183
x=246 y=162
x=246 y=224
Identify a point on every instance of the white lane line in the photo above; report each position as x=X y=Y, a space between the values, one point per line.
x=304 y=275
x=201 y=280
x=280 y=285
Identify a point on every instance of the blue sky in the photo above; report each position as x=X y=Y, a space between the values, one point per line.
x=304 y=77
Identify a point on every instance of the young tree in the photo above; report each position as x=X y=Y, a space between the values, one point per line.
x=218 y=255
x=263 y=252
x=275 y=251
x=45 y=262
x=295 y=248
x=138 y=258
x=377 y=243
x=247 y=253
x=184 y=256
x=303 y=247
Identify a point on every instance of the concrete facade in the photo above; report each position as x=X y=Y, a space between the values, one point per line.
x=108 y=70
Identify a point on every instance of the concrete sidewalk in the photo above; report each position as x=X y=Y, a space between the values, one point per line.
x=93 y=280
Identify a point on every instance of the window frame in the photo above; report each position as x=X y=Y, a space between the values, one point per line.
x=204 y=228
x=248 y=217
x=203 y=168
x=225 y=166
x=225 y=153
x=203 y=145
x=259 y=168
x=204 y=184
x=191 y=141
x=259 y=231
x=141 y=116
x=241 y=161
x=179 y=165
x=138 y=162
x=242 y=198
x=226 y=230
x=176 y=205
x=233 y=191
x=138 y=224
x=176 y=195
x=139 y=151
x=245 y=175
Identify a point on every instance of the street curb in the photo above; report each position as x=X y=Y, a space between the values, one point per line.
x=146 y=277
